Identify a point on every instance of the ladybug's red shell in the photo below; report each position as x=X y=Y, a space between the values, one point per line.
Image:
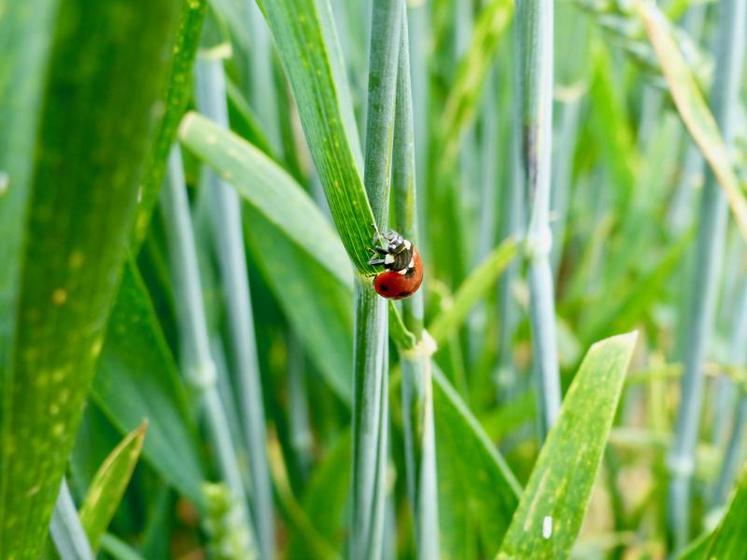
x=400 y=284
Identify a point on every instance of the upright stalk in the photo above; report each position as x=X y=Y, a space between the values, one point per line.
x=228 y=235
x=197 y=361
x=370 y=383
x=417 y=400
x=535 y=34
x=710 y=245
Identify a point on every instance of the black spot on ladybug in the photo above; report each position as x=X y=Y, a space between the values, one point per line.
x=384 y=288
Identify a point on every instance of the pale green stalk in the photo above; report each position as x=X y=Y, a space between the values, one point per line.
x=710 y=245
x=228 y=235
x=67 y=533
x=417 y=401
x=197 y=361
x=535 y=32
x=370 y=382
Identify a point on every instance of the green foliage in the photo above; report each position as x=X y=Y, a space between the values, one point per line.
x=109 y=484
x=557 y=202
x=91 y=139
x=137 y=380
x=548 y=518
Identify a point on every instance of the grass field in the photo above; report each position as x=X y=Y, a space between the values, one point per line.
x=194 y=362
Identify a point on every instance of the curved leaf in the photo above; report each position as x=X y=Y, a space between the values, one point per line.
x=554 y=501
x=109 y=484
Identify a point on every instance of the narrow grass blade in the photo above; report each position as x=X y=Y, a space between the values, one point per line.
x=118 y=549
x=464 y=96
x=137 y=380
x=727 y=540
x=310 y=274
x=178 y=92
x=267 y=187
x=693 y=109
x=109 y=484
x=66 y=530
x=554 y=501
x=307 y=44
x=472 y=289
x=475 y=486
x=88 y=158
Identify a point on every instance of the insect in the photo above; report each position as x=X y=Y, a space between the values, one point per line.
x=403 y=266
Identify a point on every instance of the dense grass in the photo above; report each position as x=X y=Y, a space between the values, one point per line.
x=218 y=378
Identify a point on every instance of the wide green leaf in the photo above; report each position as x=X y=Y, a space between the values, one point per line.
x=477 y=491
x=91 y=140
x=109 y=484
x=307 y=43
x=554 y=501
x=694 y=110
x=137 y=380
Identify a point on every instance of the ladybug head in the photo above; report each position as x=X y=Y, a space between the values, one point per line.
x=392 y=251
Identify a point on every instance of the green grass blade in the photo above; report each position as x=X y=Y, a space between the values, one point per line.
x=554 y=501
x=268 y=188
x=88 y=160
x=475 y=486
x=178 y=92
x=310 y=296
x=109 y=484
x=728 y=539
x=308 y=48
x=66 y=530
x=464 y=96
x=308 y=270
x=137 y=379
x=693 y=109
x=472 y=289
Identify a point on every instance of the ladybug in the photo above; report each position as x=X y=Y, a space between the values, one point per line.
x=403 y=272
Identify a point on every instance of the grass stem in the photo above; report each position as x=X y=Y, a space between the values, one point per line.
x=228 y=234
